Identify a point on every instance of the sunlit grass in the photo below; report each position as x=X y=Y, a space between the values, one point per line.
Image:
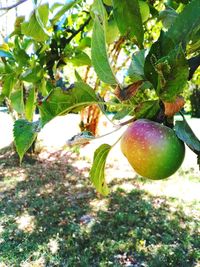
x=50 y=215
x=25 y=222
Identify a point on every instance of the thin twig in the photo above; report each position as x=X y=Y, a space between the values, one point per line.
x=13 y=6
x=127 y=122
x=68 y=40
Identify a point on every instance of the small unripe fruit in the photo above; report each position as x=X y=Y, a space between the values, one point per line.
x=153 y=150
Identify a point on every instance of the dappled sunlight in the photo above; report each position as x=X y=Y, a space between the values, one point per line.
x=54 y=154
x=1 y=229
x=127 y=186
x=46 y=189
x=25 y=222
x=53 y=245
x=81 y=164
x=112 y=173
x=99 y=204
x=177 y=187
x=143 y=229
x=11 y=178
x=36 y=263
x=59 y=128
x=60 y=217
x=6 y=126
x=75 y=76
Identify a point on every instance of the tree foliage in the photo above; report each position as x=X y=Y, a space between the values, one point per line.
x=141 y=64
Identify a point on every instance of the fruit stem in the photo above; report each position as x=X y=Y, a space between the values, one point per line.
x=127 y=122
x=117 y=140
x=104 y=135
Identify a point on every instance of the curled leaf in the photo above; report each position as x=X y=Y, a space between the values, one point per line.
x=97 y=175
x=185 y=133
x=171 y=108
x=128 y=92
x=80 y=139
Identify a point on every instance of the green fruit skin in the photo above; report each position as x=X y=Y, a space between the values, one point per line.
x=144 y=10
x=152 y=149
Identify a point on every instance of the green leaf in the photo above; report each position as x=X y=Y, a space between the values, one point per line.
x=2 y=97
x=32 y=75
x=30 y=104
x=168 y=17
x=24 y=135
x=108 y=2
x=78 y=77
x=42 y=15
x=84 y=43
x=8 y=84
x=42 y=87
x=97 y=172
x=159 y=49
x=98 y=10
x=136 y=69
x=55 y=6
x=194 y=45
x=185 y=133
x=128 y=18
x=17 y=101
x=80 y=59
x=69 y=4
x=187 y=22
x=147 y=109
x=33 y=28
x=99 y=54
x=2 y=68
x=17 y=26
x=21 y=57
x=60 y=102
x=123 y=112
x=173 y=72
x=111 y=30
x=4 y=53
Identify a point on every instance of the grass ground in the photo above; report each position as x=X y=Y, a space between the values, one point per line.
x=50 y=215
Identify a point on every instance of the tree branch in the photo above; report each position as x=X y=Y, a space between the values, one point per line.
x=6 y=8
x=68 y=40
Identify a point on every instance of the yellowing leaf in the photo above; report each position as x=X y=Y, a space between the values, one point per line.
x=97 y=174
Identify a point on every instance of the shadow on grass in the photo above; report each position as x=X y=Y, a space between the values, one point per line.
x=42 y=210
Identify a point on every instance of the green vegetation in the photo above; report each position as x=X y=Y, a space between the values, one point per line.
x=50 y=218
x=114 y=55
x=144 y=9
x=137 y=59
